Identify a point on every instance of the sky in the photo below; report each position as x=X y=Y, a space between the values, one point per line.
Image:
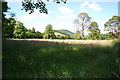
x=61 y=16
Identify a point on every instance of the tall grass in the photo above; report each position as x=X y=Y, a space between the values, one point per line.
x=42 y=59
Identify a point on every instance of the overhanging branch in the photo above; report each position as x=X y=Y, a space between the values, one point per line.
x=29 y=5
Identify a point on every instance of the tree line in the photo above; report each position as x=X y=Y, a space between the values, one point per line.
x=83 y=21
x=16 y=29
x=12 y=28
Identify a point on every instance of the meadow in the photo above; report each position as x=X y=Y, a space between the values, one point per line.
x=60 y=59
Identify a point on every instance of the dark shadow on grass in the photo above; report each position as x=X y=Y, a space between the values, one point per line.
x=44 y=59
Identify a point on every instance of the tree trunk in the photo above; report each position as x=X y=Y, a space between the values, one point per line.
x=82 y=31
x=115 y=29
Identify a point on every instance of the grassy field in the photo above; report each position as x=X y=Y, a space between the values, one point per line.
x=59 y=59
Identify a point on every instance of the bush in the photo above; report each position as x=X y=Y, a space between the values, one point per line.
x=33 y=35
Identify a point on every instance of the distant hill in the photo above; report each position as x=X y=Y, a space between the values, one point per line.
x=64 y=32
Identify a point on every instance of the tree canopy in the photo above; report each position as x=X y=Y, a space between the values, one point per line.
x=19 y=30
x=82 y=21
x=8 y=28
x=6 y=31
x=94 y=31
x=5 y=8
x=30 y=5
x=49 y=32
x=77 y=35
x=113 y=25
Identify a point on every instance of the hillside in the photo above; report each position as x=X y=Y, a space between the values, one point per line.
x=65 y=32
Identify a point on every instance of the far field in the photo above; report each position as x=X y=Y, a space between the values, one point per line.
x=34 y=58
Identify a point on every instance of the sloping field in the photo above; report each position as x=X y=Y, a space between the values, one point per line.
x=41 y=58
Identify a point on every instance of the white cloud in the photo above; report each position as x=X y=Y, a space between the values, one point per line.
x=84 y=4
x=83 y=10
x=33 y=16
x=67 y=16
x=33 y=20
x=51 y=12
x=65 y=10
x=95 y=6
x=67 y=13
x=60 y=25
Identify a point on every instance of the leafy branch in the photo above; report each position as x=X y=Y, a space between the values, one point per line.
x=29 y=5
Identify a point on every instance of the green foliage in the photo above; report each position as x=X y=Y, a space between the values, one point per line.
x=30 y=34
x=5 y=8
x=33 y=34
x=77 y=35
x=94 y=31
x=33 y=30
x=7 y=24
x=113 y=25
x=4 y=20
x=83 y=20
x=107 y=36
x=62 y=37
x=19 y=30
x=102 y=36
x=8 y=28
x=49 y=32
x=11 y=28
x=31 y=5
x=116 y=46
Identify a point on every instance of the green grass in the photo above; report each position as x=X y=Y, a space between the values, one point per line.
x=42 y=59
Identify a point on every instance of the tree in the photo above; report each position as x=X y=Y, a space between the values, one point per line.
x=83 y=21
x=5 y=8
x=77 y=35
x=49 y=32
x=113 y=25
x=33 y=30
x=7 y=24
x=94 y=31
x=39 y=35
x=33 y=34
x=30 y=5
x=106 y=36
x=9 y=28
x=19 y=30
x=102 y=36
